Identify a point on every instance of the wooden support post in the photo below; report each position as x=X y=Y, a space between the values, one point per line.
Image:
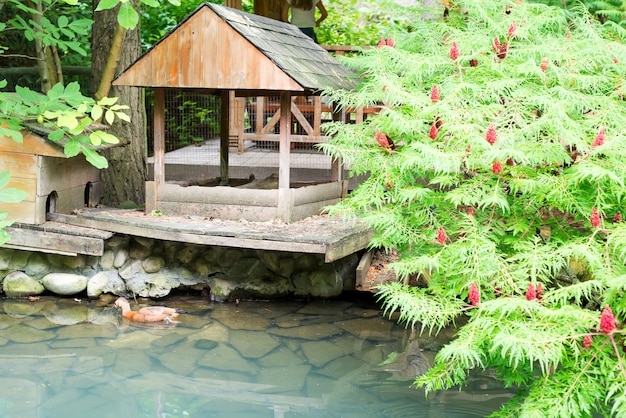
x=239 y=103
x=159 y=146
x=260 y=115
x=159 y=136
x=317 y=115
x=224 y=136
x=285 y=202
x=336 y=173
x=285 y=141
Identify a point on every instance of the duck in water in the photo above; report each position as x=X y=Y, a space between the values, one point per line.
x=148 y=314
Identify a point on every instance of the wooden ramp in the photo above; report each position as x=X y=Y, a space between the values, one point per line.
x=334 y=238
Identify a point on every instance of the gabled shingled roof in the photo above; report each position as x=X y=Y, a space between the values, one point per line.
x=217 y=47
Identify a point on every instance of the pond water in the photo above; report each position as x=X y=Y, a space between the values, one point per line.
x=61 y=357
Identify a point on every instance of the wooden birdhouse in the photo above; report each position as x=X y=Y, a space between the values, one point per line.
x=54 y=182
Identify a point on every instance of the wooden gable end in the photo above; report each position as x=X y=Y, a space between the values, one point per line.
x=205 y=52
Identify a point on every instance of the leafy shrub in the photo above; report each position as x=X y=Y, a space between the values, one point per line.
x=496 y=169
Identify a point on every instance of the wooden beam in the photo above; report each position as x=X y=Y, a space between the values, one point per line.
x=295 y=138
x=284 y=149
x=285 y=197
x=300 y=118
x=53 y=242
x=224 y=136
x=317 y=115
x=159 y=137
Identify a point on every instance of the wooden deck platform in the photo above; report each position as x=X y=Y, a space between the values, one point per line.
x=333 y=238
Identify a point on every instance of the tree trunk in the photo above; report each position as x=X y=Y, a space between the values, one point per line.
x=47 y=80
x=125 y=178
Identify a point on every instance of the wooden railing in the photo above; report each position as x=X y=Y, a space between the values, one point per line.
x=308 y=114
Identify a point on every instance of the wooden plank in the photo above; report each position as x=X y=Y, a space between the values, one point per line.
x=231 y=61
x=260 y=114
x=301 y=119
x=159 y=138
x=59 y=227
x=218 y=195
x=54 y=242
x=186 y=36
x=24 y=211
x=29 y=185
x=56 y=174
x=317 y=115
x=169 y=235
x=294 y=138
x=271 y=123
x=284 y=150
x=348 y=245
x=317 y=193
x=19 y=164
x=31 y=144
x=219 y=211
x=362 y=268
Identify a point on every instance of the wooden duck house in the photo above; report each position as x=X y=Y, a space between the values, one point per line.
x=226 y=52
x=54 y=182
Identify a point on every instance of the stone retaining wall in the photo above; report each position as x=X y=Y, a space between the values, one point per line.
x=152 y=268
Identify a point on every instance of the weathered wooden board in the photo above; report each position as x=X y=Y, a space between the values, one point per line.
x=24 y=211
x=171 y=234
x=31 y=144
x=28 y=185
x=19 y=164
x=58 y=174
x=333 y=239
x=362 y=268
x=53 y=242
x=349 y=244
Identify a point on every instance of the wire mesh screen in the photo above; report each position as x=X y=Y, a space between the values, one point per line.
x=192 y=132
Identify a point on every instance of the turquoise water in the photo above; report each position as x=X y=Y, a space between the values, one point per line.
x=75 y=358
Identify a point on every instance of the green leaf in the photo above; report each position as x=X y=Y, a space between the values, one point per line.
x=12 y=195
x=56 y=92
x=127 y=17
x=98 y=137
x=3 y=83
x=63 y=21
x=106 y=5
x=72 y=148
x=4 y=237
x=109 y=116
x=95 y=159
x=107 y=101
x=56 y=135
x=96 y=112
x=123 y=116
x=12 y=133
x=5 y=176
x=68 y=121
x=76 y=47
x=150 y=3
x=174 y=2
x=28 y=96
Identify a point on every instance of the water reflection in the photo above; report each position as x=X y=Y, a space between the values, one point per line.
x=68 y=358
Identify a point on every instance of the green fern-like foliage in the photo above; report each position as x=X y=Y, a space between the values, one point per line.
x=497 y=172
